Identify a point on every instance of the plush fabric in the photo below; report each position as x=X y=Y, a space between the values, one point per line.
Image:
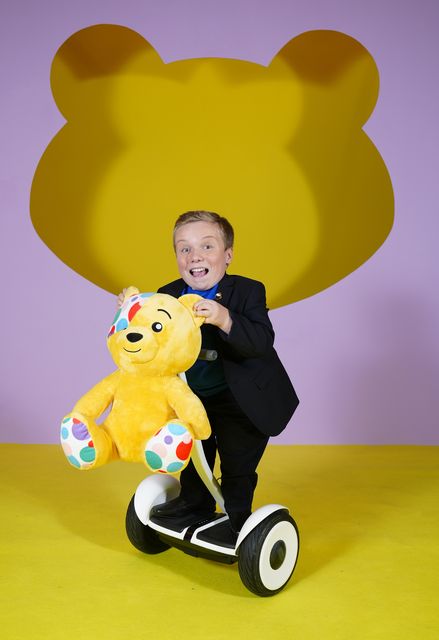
x=152 y=338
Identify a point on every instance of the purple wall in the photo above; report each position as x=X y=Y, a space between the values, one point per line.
x=364 y=354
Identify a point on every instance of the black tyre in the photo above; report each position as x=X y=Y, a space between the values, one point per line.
x=268 y=555
x=140 y=535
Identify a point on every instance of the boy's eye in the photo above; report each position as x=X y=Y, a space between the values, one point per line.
x=184 y=250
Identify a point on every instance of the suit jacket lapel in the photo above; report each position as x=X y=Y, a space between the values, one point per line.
x=176 y=288
x=225 y=290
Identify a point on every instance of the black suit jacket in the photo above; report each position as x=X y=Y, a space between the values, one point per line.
x=253 y=371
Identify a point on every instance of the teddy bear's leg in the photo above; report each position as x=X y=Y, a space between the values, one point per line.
x=85 y=444
x=169 y=450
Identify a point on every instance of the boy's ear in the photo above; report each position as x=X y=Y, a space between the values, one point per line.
x=188 y=300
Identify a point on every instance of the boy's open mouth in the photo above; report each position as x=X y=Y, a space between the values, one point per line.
x=198 y=272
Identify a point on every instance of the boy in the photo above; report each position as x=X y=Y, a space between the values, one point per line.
x=246 y=391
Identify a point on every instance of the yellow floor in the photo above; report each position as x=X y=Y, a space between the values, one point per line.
x=368 y=566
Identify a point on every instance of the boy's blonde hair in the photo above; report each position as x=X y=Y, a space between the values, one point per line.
x=207 y=216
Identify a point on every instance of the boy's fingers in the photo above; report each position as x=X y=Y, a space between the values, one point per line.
x=204 y=312
x=121 y=298
x=201 y=311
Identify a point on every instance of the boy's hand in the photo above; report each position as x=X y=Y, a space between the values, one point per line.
x=129 y=291
x=121 y=298
x=214 y=313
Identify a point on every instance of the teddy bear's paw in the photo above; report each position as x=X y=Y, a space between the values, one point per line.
x=169 y=450
x=77 y=443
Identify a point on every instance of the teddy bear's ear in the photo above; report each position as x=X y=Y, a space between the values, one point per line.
x=188 y=300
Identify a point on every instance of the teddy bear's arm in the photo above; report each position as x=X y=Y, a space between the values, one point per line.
x=99 y=397
x=189 y=408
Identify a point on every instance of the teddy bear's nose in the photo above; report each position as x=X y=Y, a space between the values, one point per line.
x=134 y=337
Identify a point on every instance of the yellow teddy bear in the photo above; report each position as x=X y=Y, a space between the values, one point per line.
x=154 y=416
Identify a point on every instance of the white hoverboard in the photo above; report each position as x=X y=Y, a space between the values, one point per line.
x=266 y=548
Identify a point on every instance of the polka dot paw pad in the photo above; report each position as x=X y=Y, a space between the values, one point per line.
x=77 y=443
x=169 y=450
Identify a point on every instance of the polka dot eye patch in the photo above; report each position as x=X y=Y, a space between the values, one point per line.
x=127 y=312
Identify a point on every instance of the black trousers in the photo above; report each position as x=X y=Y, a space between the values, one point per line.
x=240 y=447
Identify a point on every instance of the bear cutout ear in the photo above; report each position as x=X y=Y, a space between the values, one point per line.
x=188 y=300
x=102 y=52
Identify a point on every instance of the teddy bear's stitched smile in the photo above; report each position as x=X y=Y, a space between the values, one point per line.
x=135 y=351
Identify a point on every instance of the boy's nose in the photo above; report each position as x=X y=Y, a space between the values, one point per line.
x=134 y=337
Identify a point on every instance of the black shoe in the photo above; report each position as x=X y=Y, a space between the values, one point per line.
x=221 y=534
x=178 y=508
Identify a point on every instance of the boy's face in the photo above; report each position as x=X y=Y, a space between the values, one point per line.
x=202 y=258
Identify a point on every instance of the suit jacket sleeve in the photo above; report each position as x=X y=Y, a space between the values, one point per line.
x=251 y=335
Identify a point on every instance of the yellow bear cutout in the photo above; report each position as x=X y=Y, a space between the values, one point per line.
x=154 y=415
x=279 y=150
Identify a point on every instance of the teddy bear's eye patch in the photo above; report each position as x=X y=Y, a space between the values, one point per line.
x=157 y=326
